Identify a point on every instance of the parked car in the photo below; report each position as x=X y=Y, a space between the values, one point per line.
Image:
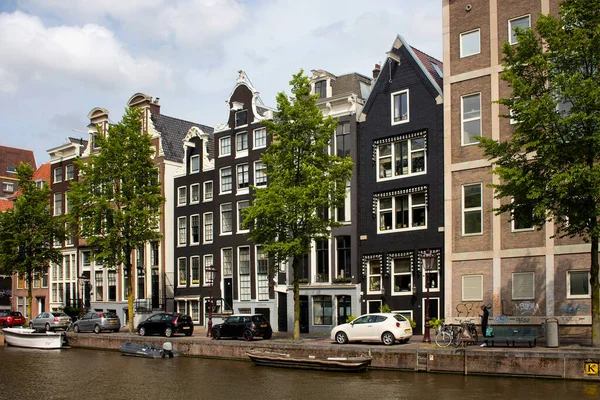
x=246 y=326
x=166 y=324
x=11 y=318
x=378 y=327
x=98 y=322
x=51 y=321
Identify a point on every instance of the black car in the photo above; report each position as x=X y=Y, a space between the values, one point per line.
x=166 y=324
x=247 y=326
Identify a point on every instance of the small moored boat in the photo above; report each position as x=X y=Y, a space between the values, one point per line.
x=31 y=338
x=285 y=360
x=147 y=350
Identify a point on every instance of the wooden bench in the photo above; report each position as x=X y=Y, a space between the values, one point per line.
x=513 y=335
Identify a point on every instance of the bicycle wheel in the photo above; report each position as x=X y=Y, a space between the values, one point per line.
x=473 y=331
x=443 y=339
x=457 y=337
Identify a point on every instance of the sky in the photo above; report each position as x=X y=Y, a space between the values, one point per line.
x=61 y=58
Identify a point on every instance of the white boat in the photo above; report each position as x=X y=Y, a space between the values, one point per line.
x=22 y=337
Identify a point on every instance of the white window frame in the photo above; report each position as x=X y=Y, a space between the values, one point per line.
x=192 y=260
x=239 y=172
x=262 y=279
x=194 y=159
x=393 y=157
x=243 y=152
x=465 y=34
x=223 y=148
x=511 y=34
x=221 y=190
x=208 y=230
x=227 y=270
x=8 y=187
x=262 y=138
x=472 y=209
x=411 y=208
x=393 y=108
x=235 y=118
x=230 y=232
x=181 y=196
x=208 y=193
x=347 y=208
x=379 y=275
x=242 y=296
x=208 y=262
x=239 y=215
x=182 y=282
x=262 y=173
x=58 y=199
x=480 y=294
x=70 y=170
x=578 y=296
x=435 y=274
x=56 y=178
x=198 y=230
x=395 y=274
x=181 y=231
x=194 y=186
x=515 y=296
x=464 y=120
x=512 y=224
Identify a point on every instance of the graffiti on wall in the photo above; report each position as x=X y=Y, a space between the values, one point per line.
x=526 y=308
x=575 y=308
x=469 y=309
x=5 y=293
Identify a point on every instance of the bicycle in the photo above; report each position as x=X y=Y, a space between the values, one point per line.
x=445 y=336
x=456 y=335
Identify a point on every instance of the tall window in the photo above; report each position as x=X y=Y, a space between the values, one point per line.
x=374 y=275
x=226 y=180
x=523 y=22
x=154 y=253
x=182 y=196
x=342 y=139
x=99 y=276
x=194 y=164
x=70 y=172
x=225 y=146
x=208 y=191
x=58 y=204
x=182 y=229
x=260 y=174
x=182 y=271
x=469 y=43
x=209 y=274
x=226 y=218
x=400 y=109
x=243 y=176
x=322 y=247
x=471 y=118
x=195 y=267
x=343 y=257
x=401 y=158
x=244 y=272
x=472 y=288
x=578 y=284
x=241 y=205
x=195 y=229
x=522 y=217
x=472 y=209
x=227 y=261
x=58 y=175
x=343 y=212
x=112 y=286
x=523 y=286
x=67 y=204
x=262 y=274
x=322 y=310
x=402 y=212
x=208 y=227
x=402 y=275
x=241 y=118
x=321 y=88
x=241 y=144
x=194 y=193
x=260 y=138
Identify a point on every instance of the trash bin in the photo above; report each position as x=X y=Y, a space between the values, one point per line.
x=551 y=332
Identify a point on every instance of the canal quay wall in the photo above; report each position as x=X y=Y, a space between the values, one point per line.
x=571 y=362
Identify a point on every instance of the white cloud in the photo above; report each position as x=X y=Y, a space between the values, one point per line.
x=90 y=54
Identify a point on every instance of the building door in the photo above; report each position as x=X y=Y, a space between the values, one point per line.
x=282 y=312
x=434 y=311
x=304 y=321
x=344 y=309
x=155 y=292
x=228 y=293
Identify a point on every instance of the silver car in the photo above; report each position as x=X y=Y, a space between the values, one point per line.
x=50 y=321
x=97 y=322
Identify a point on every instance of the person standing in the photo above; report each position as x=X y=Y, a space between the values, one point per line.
x=484 y=322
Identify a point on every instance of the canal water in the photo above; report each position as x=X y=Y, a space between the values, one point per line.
x=88 y=374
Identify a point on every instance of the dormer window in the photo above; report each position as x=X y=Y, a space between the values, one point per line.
x=400 y=108
x=10 y=168
x=96 y=145
x=241 y=118
x=321 y=89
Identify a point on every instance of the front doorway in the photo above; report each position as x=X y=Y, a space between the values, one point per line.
x=434 y=311
x=282 y=312
x=344 y=309
x=304 y=321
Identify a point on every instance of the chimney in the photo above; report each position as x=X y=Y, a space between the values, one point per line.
x=376 y=71
x=154 y=106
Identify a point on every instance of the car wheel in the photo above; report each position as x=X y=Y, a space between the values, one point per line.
x=168 y=331
x=388 y=338
x=47 y=327
x=96 y=329
x=31 y=325
x=341 y=338
x=216 y=333
x=142 y=331
x=248 y=335
x=267 y=336
x=76 y=329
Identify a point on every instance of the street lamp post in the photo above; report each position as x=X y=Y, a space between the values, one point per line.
x=210 y=278
x=428 y=259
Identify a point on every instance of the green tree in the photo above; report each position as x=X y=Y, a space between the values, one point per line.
x=303 y=180
x=117 y=201
x=551 y=164
x=27 y=233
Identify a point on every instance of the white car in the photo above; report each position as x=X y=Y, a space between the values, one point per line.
x=378 y=327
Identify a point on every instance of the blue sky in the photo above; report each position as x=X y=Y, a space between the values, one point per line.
x=61 y=58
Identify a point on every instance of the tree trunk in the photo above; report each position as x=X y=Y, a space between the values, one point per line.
x=595 y=284
x=295 y=263
x=29 y=294
x=129 y=281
